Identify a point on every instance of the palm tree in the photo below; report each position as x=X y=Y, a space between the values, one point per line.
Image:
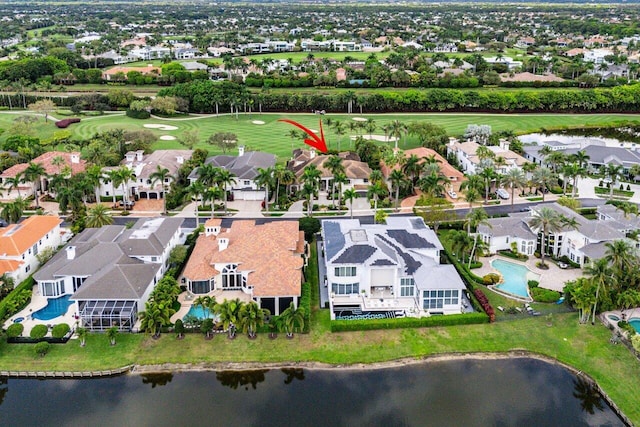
x=488 y=175
x=161 y=174
x=335 y=166
x=545 y=220
x=582 y=158
x=601 y=275
x=413 y=168
x=212 y=194
x=475 y=218
x=98 y=216
x=397 y=179
x=265 y=179
x=151 y=319
x=620 y=254
x=14 y=182
x=224 y=179
x=375 y=191
x=339 y=179
x=310 y=178
x=112 y=334
x=251 y=318
x=34 y=173
x=542 y=178
x=350 y=194
x=111 y=176
x=514 y=178
x=228 y=312
x=396 y=130
x=292 y=319
x=340 y=129
x=614 y=172
x=471 y=195
x=121 y=178
x=82 y=335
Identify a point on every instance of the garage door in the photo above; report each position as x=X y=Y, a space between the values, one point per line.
x=249 y=195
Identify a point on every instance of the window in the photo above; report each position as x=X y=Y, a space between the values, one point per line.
x=154 y=259
x=77 y=282
x=35 y=249
x=231 y=278
x=51 y=289
x=345 y=271
x=438 y=299
x=201 y=286
x=345 y=289
x=407 y=286
x=246 y=182
x=27 y=268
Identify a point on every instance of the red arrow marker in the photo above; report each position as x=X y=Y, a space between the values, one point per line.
x=316 y=142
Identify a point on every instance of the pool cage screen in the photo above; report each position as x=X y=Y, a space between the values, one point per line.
x=102 y=315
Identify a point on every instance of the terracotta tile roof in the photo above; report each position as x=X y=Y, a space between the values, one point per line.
x=46 y=160
x=9 y=266
x=446 y=169
x=270 y=252
x=17 y=238
x=213 y=222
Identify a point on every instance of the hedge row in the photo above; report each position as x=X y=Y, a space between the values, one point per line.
x=510 y=254
x=7 y=308
x=305 y=304
x=65 y=123
x=408 y=322
x=486 y=306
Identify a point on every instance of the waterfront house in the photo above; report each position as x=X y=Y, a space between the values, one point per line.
x=110 y=272
x=259 y=262
x=388 y=270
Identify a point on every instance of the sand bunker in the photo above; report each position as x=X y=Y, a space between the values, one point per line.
x=314 y=130
x=160 y=127
x=167 y=137
x=359 y=119
x=377 y=138
x=257 y=122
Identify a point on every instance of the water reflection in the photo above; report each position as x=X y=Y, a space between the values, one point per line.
x=293 y=374
x=157 y=379
x=235 y=379
x=588 y=394
x=4 y=388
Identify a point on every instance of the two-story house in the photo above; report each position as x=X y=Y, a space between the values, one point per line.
x=388 y=270
x=466 y=154
x=110 y=272
x=21 y=243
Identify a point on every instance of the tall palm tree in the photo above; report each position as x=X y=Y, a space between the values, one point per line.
x=350 y=194
x=207 y=174
x=34 y=174
x=545 y=220
x=413 y=168
x=542 y=178
x=340 y=129
x=265 y=179
x=225 y=179
x=112 y=177
x=310 y=178
x=339 y=179
x=620 y=254
x=14 y=182
x=488 y=175
x=601 y=275
x=251 y=317
x=582 y=158
x=98 y=216
x=161 y=174
x=93 y=178
x=475 y=218
x=514 y=178
x=335 y=166
x=396 y=130
x=121 y=178
x=375 y=191
x=398 y=180
x=292 y=319
x=614 y=172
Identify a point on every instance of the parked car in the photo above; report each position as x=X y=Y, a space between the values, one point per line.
x=502 y=193
x=129 y=203
x=452 y=194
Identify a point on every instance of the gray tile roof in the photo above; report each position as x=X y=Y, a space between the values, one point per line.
x=243 y=167
x=515 y=226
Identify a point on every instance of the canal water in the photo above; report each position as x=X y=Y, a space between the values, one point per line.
x=512 y=392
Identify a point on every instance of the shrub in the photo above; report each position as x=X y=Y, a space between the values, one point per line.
x=408 y=322
x=65 y=123
x=544 y=295
x=42 y=348
x=305 y=304
x=39 y=331
x=628 y=187
x=533 y=283
x=60 y=330
x=15 y=330
x=476 y=264
x=513 y=255
x=491 y=279
x=635 y=341
x=16 y=300
x=310 y=226
x=486 y=306
x=179 y=327
x=542 y=266
x=138 y=114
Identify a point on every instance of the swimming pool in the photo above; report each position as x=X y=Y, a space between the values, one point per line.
x=515 y=277
x=635 y=322
x=55 y=307
x=200 y=313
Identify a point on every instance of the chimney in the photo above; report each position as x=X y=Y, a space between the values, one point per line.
x=180 y=160
x=139 y=155
x=212 y=231
x=504 y=144
x=240 y=150
x=75 y=158
x=223 y=243
x=130 y=156
x=312 y=153
x=71 y=252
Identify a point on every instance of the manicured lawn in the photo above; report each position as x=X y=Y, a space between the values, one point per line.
x=584 y=347
x=273 y=136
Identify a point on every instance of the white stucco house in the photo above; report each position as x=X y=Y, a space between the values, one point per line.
x=21 y=243
x=110 y=272
x=388 y=270
x=580 y=245
x=470 y=163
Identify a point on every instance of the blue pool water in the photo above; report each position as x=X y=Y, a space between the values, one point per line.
x=54 y=308
x=200 y=313
x=515 y=277
x=635 y=322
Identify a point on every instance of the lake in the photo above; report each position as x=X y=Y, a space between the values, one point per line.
x=509 y=392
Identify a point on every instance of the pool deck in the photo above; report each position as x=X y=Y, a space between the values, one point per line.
x=38 y=302
x=186 y=300
x=554 y=278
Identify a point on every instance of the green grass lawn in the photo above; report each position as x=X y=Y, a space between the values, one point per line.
x=273 y=135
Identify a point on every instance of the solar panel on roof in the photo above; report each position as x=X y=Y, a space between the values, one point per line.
x=356 y=254
x=334 y=239
x=409 y=240
x=418 y=224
